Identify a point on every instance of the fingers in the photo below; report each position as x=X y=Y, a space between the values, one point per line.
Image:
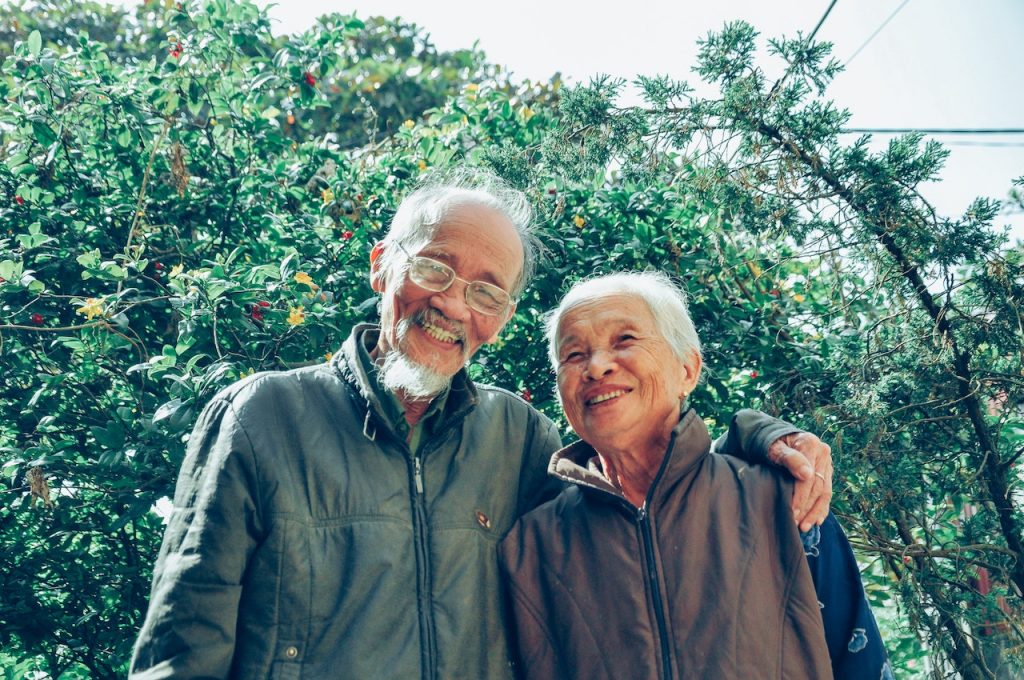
x=795 y=462
x=818 y=510
x=803 y=493
x=809 y=460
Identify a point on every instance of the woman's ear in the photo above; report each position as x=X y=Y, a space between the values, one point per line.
x=376 y=270
x=691 y=373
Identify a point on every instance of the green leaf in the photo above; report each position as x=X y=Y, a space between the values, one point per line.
x=35 y=43
x=167 y=410
x=10 y=270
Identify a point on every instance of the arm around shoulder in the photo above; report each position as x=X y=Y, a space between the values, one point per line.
x=535 y=484
x=750 y=435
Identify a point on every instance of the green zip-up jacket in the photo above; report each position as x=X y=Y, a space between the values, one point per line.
x=307 y=541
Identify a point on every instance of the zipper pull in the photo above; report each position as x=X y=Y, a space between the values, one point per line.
x=641 y=514
x=418 y=474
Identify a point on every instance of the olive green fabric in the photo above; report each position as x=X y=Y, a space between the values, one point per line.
x=299 y=545
x=707 y=580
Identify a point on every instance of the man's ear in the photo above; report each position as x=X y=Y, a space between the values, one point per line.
x=508 y=315
x=376 y=272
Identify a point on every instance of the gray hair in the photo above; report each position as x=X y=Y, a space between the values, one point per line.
x=666 y=300
x=422 y=212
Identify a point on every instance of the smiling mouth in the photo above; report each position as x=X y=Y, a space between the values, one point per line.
x=439 y=333
x=601 y=398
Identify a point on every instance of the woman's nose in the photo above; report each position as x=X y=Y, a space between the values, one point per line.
x=600 y=364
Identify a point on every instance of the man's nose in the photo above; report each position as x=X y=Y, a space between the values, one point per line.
x=452 y=301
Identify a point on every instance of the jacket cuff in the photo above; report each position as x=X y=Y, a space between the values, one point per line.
x=751 y=433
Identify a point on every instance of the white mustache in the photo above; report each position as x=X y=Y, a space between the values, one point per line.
x=436 y=318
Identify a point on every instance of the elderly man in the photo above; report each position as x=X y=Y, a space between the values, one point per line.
x=341 y=520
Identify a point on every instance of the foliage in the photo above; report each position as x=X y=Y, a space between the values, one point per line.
x=901 y=334
x=186 y=199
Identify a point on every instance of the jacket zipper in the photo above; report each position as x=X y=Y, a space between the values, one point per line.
x=423 y=577
x=644 y=526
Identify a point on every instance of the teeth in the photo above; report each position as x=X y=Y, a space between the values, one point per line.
x=439 y=333
x=605 y=397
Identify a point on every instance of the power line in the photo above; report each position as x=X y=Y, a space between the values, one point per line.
x=825 y=16
x=1017 y=145
x=877 y=31
x=938 y=131
x=778 y=83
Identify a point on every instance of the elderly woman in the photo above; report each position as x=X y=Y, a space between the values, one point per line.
x=663 y=559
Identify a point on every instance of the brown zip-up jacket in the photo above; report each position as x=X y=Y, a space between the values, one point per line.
x=707 y=580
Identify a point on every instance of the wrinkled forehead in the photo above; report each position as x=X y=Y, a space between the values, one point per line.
x=481 y=236
x=602 y=310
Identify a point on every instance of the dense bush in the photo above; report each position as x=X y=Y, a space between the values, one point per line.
x=186 y=199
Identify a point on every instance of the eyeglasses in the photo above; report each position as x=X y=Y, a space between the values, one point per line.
x=438 y=277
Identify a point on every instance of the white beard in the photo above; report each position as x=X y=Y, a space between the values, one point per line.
x=401 y=375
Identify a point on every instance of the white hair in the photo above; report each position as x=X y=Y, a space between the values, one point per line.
x=666 y=300
x=425 y=209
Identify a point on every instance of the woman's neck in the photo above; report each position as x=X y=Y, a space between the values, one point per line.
x=633 y=472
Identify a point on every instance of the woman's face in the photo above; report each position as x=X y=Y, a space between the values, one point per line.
x=619 y=381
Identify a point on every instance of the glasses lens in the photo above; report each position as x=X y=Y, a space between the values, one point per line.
x=430 y=274
x=487 y=298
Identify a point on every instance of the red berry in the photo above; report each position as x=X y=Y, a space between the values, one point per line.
x=552 y=191
x=263 y=303
x=37 y=319
x=359 y=197
x=526 y=394
x=310 y=79
x=346 y=235
x=754 y=374
x=19 y=200
x=158 y=266
x=256 y=314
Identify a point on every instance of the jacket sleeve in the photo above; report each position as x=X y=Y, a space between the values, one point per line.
x=750 y=434
x=854 y=642
x=189 y=629
x=536 y=486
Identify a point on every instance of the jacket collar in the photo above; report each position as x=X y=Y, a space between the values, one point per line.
x=689 y=444
x=462 y=395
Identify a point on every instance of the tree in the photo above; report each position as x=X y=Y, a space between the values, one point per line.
x=186 y=198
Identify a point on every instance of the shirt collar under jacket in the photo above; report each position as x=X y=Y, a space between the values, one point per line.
x=388 y=404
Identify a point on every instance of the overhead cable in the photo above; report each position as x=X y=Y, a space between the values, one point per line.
x=877 y=31
x=938 y=131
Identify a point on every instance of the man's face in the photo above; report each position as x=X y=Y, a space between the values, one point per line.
x=439 y=331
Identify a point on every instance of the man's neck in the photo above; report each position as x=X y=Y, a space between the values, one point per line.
x=414 y=408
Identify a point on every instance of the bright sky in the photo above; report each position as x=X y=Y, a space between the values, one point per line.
x=935 y=64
